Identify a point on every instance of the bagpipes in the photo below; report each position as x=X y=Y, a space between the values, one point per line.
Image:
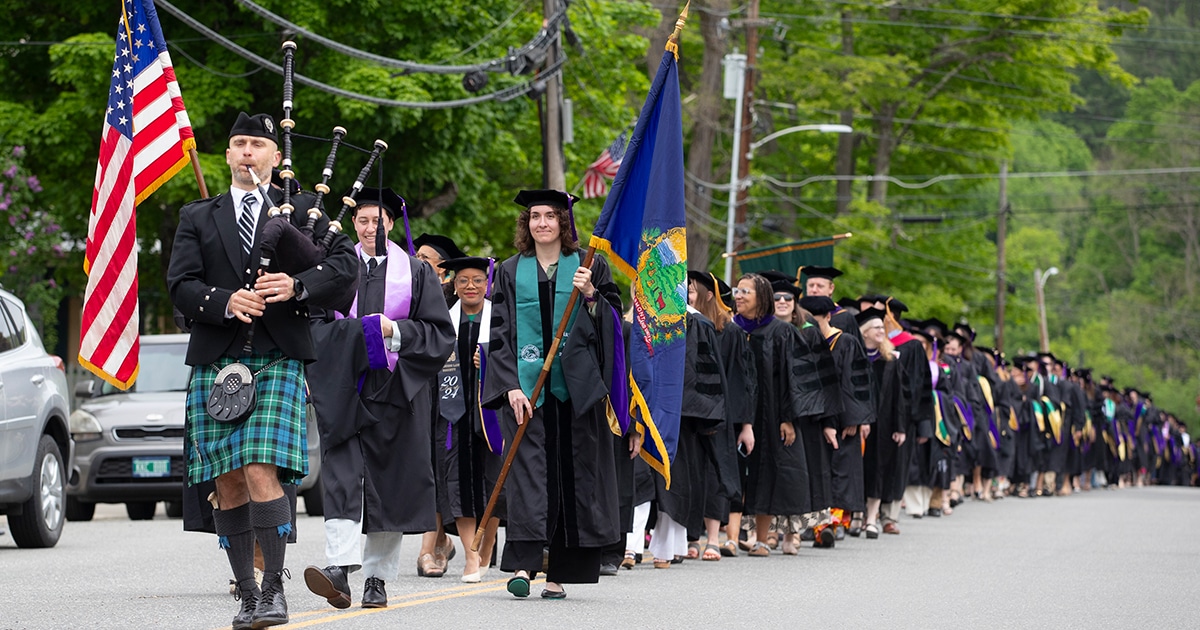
x=284 y=246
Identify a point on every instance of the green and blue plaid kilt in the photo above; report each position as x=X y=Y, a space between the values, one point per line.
x=275 y=433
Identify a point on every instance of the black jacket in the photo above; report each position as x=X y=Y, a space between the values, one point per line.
x=208 y=266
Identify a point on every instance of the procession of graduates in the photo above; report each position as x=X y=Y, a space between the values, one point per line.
x=435 y=374
x=803 y=420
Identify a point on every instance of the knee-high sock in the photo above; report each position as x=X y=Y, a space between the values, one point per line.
x=272 y=523
x=236 y=537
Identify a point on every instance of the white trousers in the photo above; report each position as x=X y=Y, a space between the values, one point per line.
x=635 y=541
x=379 y=557
x=916 y=499
x=669 y=538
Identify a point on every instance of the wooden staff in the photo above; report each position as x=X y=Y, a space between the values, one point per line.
x=537 y=390
x=196 y=171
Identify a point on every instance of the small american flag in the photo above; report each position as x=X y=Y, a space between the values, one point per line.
x=595 y=181
x=144 y=142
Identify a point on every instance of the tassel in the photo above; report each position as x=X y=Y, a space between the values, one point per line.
x=284 y=530
x=223 y=542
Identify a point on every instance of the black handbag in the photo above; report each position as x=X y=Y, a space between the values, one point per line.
x=233 y=396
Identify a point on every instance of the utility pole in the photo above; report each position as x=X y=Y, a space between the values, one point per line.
x=553 y=176
x=845 y=148
x=747 y=120
x=1001 y=256
x=1043 y=334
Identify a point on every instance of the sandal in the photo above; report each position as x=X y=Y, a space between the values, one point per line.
x=629 y=561
x=427 y=566
x=662 y=564
x=872 y=531
x=693 y=550
x=773 y=540
x=760 y=550
x=729 y=549
x=712 y=553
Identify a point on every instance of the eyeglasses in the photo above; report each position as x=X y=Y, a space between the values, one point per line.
x=784 y=297
x=463 y=281
x=875 y=327
x=738 y=291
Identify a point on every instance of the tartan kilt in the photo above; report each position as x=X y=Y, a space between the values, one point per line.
x=275 y=433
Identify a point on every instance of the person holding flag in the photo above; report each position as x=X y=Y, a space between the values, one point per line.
x=565 y=493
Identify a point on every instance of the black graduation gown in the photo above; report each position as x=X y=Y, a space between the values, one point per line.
x=976 y=451
x=883 y=475
x=1029 y=438
x=1054 y=457
x=468 y=467
x=375 y=444
x=918 y=396
x=723 y=477
x=777 y=479
x=1007 y=398
x=854 y=384
x=818 y=373
x=562 y=486
x=1074 y=420
x=702 y=414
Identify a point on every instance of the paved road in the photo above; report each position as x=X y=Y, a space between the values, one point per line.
x=1100 y=560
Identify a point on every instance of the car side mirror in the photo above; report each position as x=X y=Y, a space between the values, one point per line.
x=85 y=389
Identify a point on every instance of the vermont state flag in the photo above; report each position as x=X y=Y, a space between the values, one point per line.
x=642 y=230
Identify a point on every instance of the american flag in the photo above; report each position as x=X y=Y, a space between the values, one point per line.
x=144 y=142
x=595 y=181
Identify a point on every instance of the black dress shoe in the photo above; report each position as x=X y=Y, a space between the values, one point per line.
x=249 y=599
x=330 y=583
x=935 y=512
x=374 y=595
x=272 y=606
x=549 y=594
x=608 y=568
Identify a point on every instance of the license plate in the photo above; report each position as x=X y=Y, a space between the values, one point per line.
x=144 y=467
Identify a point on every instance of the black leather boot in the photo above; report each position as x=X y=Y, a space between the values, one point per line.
x=272 y=606
x=330 y=583
x=374 y=595
x=249 y=599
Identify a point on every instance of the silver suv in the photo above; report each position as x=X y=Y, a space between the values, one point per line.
x=34 y=439
x=130 y=444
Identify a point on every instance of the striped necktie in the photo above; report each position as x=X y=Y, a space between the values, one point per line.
x=246 y=223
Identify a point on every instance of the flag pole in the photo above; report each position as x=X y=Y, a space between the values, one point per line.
x=195 y=159
x=672 y=46
x=533 y=396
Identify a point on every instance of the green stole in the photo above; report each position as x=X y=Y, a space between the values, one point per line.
x=530 y=350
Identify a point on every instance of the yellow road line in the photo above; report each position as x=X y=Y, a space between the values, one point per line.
x=476 y=590
x=322 y=616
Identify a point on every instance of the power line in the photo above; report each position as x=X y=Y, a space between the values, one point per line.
x=506 y=94
x=502 y=64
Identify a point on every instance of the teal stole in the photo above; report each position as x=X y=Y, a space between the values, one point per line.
x=530 y=350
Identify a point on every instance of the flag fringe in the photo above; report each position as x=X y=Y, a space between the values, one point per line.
x=646 y=425
x=111 y=380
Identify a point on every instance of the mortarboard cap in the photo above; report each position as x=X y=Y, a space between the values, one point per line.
x=848 y=303
x=257 y=126
x=829 y=273
x=868 y=315
x=385 y=198
x=443 y=245
x=486 y=265
x=785 y=287
x=774 y=276
x=817 y=304
x=895 y=306
x=710 y=282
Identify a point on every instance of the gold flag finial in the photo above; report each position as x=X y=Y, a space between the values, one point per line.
x=673 y=40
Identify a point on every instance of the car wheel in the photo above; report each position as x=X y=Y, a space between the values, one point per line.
x=174 y=509
x=140 y=510
x=314 y=499
x=80 y=510
x=41 y=519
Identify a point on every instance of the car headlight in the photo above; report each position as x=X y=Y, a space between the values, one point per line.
x=84 y=426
